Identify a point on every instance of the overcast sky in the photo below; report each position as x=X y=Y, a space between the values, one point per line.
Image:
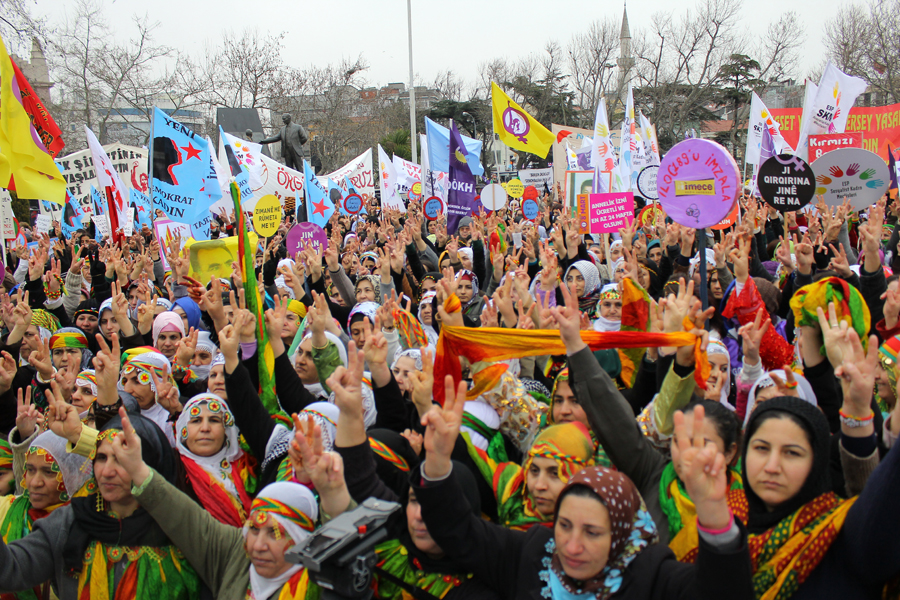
x=457 y=35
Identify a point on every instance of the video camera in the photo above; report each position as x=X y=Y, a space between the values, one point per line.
x=340 y=555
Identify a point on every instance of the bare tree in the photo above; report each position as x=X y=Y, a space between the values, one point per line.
x=18 y=26
x=245 y=69
x=111 y=86
x=591 y=62
x=865 y=41
x=448 y=83
x=778 y=51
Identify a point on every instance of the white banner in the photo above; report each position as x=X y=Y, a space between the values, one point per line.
x=78 y=171
x=537 y=178
x=408 y=173
x=7 y=225
x=359 y=172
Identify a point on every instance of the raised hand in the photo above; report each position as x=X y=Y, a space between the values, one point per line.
x=184 y=353
x=28 y=418
x=857 y=375
x=346 y=383
x=568 y=318
x=61 y=418
x=834 y=335
x=703 y=471
x=752 y=334
x=167 y=394
x=127 y=449
x=787 y=386
x=275 y=318
x=442 y=428
x=422 y=383
x=41 y=361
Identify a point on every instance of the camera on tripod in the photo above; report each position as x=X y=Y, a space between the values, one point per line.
x=340 y=555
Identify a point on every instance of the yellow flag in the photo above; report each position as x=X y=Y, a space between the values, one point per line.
x=516 y=128
x=22 y=154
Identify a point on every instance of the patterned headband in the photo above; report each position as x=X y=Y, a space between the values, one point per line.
x=389 y=455
x=261 y=508
x=68 y=339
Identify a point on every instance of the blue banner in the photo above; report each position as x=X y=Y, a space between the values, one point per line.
x=143 y=209
x=180 y=163
x=461 y=197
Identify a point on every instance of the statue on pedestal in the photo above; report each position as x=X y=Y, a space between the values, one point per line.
x=292 y=138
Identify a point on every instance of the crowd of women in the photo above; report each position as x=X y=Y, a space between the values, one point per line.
x=744 y=450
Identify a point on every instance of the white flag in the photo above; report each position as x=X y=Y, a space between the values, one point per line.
x=628 y=148
x=108 y=177
x=760 y=119
x=648 y=132
x=603 y=157
x=829 y=111
x=248 y=154
x=387 y=180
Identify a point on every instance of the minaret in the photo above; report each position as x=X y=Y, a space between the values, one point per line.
x=626 y=61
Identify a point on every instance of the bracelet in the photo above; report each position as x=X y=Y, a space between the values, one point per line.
x=725 y=529
x=853 y=422
x=314 y=347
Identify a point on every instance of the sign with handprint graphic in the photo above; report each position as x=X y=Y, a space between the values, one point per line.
x=853 y=173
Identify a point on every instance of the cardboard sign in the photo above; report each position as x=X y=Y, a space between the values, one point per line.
x=604 y=213
x=515 y=188
x=698 y=183
x=646 y=182
x=853 y=173
x=7 y=221
x=433 y=208
x=530 y=209
x=43 y=223
x=826 y=142
x=267 y=215
x=166 y=231
x=729 y=220
x=305 y=235
x=786 y=182
x=648 y=214
x=493 y=197
x=353 y=203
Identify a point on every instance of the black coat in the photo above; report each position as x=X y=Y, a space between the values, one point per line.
x=510 y=562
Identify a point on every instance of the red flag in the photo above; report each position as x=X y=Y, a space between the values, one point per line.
x=41 y=118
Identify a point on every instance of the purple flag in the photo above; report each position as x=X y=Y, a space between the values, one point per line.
x=766 y=151
x=461 y=197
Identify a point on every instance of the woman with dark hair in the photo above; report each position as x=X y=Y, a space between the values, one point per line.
x=603 y=542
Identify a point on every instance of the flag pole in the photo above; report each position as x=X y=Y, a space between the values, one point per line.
x=412 y=87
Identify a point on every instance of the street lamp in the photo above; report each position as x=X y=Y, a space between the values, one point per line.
x=474 y=124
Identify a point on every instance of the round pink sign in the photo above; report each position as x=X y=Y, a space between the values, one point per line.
x=698 y=183
x=303 y=235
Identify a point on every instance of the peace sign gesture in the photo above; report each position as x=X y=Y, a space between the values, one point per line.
x=166 y=394
x=442 y=428
x=27 y=415
x=702 y=470
x=127 y=449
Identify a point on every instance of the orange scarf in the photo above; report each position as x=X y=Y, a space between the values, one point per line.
x=493 y=344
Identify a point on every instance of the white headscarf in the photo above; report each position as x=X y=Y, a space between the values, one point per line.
x=75 y=469
x=325 y=414
x=429 y=329
x=710 y=260
x=299 y=499
x=804 y=390
x=219 y=464
x=717 y=347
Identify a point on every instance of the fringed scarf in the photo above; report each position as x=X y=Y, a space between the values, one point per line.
x=493 y=344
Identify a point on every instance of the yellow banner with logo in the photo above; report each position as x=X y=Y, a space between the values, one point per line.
x=516 y=128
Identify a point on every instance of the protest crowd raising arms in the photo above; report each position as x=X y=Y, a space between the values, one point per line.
x=655 y=379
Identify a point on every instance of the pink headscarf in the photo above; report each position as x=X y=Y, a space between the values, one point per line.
x=167 y=321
